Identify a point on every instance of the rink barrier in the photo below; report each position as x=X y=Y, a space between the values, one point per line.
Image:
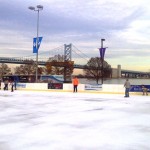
x=105 y=88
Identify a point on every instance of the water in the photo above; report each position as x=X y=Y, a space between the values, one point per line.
x=117 y=81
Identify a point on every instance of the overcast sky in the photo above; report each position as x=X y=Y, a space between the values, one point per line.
x=125 y=25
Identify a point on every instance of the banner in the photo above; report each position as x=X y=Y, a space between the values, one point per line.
x=34 y=45
x=55 y=85
x=96 y=87
x=138 y=88
x=35 y=49
x=21 y=85
x=102 y=52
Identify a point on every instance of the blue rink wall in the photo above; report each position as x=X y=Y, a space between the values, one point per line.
x=105 y=88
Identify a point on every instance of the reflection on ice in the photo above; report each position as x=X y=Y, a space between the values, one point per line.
x=73 y=121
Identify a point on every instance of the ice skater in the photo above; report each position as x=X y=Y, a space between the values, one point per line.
x=75 y=83
x=6 y=85
x=127 y=88
x=15 y=84
x=145 y=90
x=0 y=83
x=12 y=83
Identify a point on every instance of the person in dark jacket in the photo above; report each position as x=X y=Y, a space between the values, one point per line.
x=0 y=83
x=12 y=85
x=15 y=84
x=6 y=85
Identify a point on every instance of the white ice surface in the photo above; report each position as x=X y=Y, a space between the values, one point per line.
x=73 y=121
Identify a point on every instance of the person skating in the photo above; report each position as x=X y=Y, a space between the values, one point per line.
x=0 y=83
x=15 y=84
x=127 y=88
x=6 y=85
x=75 y=83
x=145 y=90
x=12 y=85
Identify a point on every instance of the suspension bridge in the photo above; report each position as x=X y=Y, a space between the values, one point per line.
x=69 y=53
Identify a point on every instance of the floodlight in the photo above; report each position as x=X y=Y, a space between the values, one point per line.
x=40 y=7
x=31 y=8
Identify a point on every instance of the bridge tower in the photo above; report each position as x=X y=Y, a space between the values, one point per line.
x=67 y=52
x=67 y=58
x=119 y=71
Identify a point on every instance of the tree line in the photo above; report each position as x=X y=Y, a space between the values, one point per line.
x=95 y=69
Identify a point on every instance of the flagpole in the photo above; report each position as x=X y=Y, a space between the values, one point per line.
x=37 y=40
x=102 y=59
x=39 y=7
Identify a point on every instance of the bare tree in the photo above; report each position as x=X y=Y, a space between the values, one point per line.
x=4 y=70
x=57 y=65
x=93 y=69
x=47 y=69
x=28 y=68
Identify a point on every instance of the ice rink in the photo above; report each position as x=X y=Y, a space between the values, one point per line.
x=73 y=121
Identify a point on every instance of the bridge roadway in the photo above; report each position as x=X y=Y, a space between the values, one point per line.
x=134 y=74
x=27 y=61
x=125 y=73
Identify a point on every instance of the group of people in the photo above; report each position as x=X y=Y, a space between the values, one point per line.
x=127 y=86
x=7 y=83
x=75 y=83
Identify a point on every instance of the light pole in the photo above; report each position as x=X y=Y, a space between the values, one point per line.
x=37 y=8
x=102 y=58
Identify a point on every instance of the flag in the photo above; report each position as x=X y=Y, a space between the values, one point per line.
x=39 y=41
x=35 y=40
x=34 y=45
x=102 y=52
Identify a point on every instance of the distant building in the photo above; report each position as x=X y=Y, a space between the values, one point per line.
x=122 y=73
x=116 y=72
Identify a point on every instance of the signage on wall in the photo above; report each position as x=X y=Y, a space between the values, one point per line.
x=138 y=88
x=55 y=85
x=96 y=87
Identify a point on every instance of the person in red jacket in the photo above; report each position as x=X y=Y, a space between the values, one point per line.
x=75 y=83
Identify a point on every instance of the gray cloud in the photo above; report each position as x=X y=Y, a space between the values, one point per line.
x=82 y=23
